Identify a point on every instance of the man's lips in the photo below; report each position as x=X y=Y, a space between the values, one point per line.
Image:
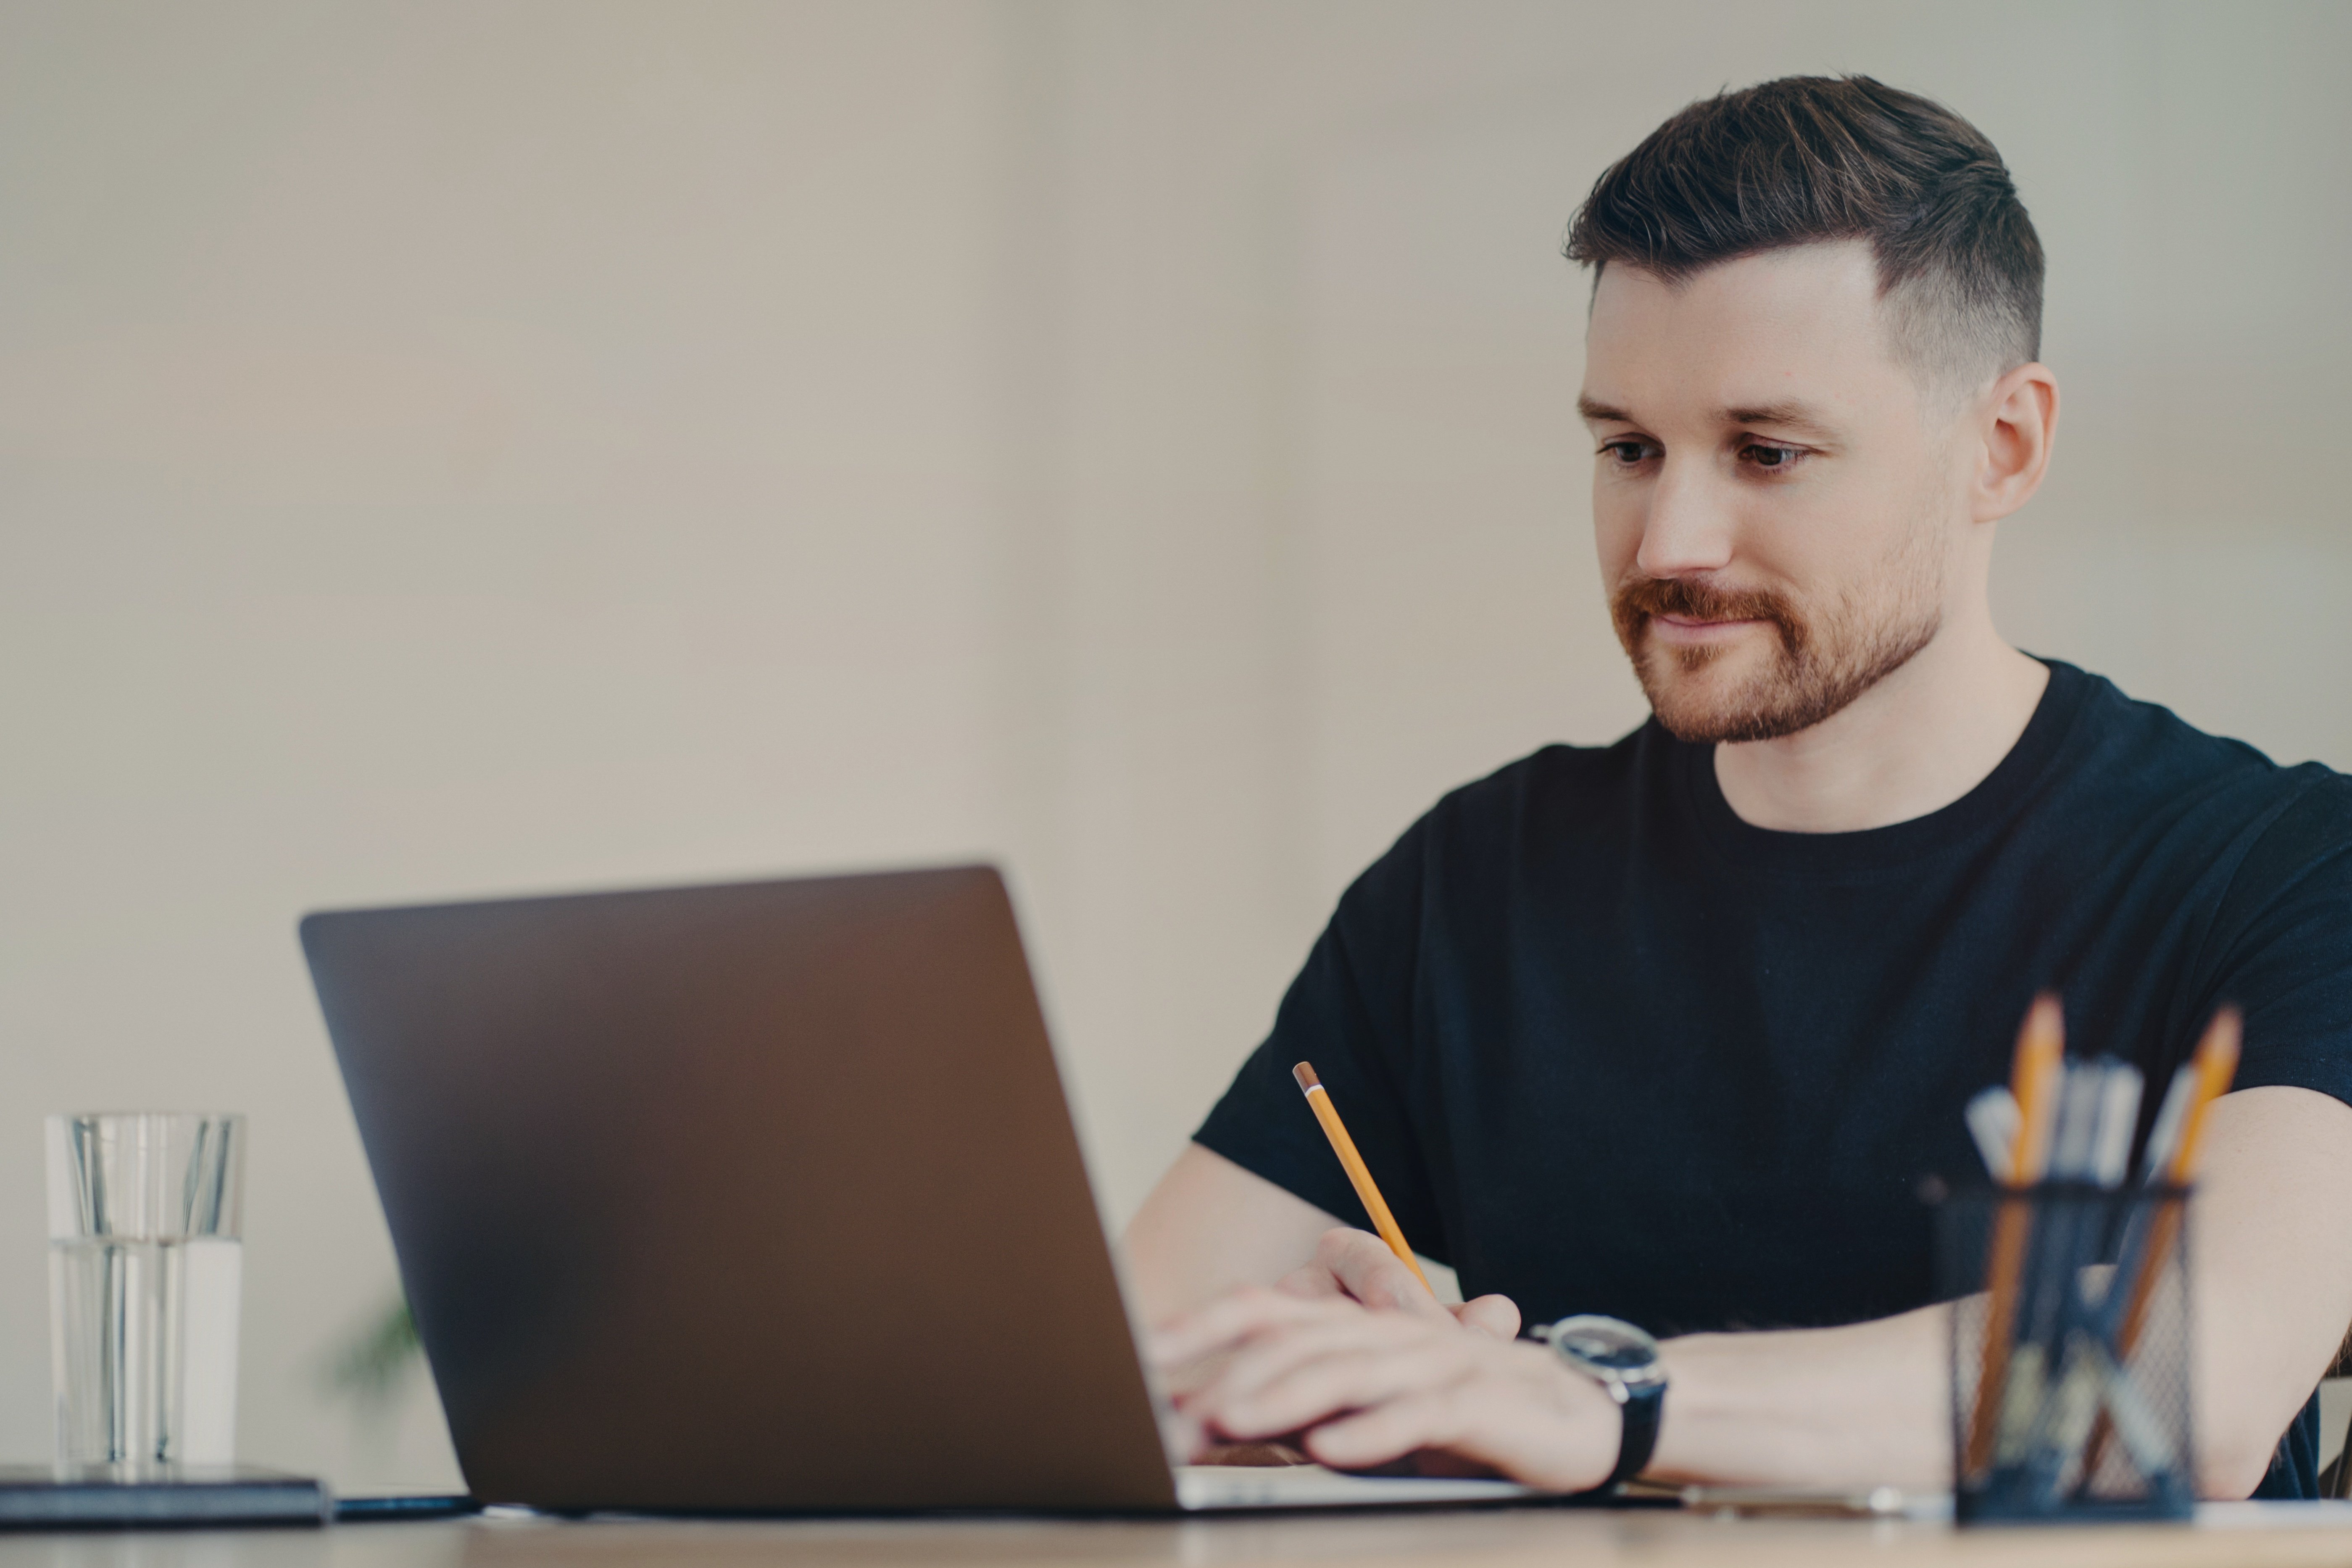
x=1689 y=630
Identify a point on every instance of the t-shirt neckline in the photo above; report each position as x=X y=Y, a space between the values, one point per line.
x=1994 y=800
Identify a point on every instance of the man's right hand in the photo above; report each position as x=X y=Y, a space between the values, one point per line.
x=1358 y=1265
x=1212 y=1230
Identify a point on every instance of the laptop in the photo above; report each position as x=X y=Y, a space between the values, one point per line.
x=757 y=1199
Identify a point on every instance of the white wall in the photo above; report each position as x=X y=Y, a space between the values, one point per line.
x=456 y=449
x=490 y=448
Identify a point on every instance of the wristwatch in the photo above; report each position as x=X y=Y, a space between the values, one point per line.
x=1624 y=1360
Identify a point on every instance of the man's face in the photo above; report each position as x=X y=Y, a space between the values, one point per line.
x=1775 y=515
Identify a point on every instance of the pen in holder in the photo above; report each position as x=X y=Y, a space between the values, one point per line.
x=2070 y=1353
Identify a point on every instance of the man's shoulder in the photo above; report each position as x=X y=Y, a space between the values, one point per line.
x=2157 y=749
x=2288 y=816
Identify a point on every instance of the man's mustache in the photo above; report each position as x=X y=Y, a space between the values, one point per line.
x=1687 y=598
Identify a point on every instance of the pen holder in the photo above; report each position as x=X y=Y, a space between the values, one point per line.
x=2070 y=1353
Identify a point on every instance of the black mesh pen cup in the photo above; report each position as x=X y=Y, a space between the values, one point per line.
x=2070 y=1353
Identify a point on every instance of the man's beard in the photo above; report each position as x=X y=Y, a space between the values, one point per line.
x=1824 y=659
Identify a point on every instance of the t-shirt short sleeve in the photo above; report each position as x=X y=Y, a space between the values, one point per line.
x=1350 y=1013
x=2287 y=925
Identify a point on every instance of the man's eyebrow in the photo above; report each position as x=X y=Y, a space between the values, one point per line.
x=1802 y=417
x=1789 y=415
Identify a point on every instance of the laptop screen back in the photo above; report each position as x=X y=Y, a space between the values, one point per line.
x=760 y=1196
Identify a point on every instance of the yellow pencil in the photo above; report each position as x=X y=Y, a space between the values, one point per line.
x=1352 y=1163
x=2216 y=1066
x=2034 y=1076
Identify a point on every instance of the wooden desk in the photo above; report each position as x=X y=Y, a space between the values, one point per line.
x=1516 y=1539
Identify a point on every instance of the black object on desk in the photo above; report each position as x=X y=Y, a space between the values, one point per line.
x=40 y=1497
x=382 y=1508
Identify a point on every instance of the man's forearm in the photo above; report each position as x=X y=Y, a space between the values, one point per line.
x=1870 y=1403
x=1864 y=1405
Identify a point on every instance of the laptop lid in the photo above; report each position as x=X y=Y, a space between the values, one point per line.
x=760 y=1196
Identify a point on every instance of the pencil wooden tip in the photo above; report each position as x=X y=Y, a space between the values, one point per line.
x=2045 y=1026
x=1305 y=1073
x=2222 y=1037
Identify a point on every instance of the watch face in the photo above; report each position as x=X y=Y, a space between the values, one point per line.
x=1605 y=1345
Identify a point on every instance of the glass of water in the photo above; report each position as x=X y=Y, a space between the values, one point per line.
x=146 y=1266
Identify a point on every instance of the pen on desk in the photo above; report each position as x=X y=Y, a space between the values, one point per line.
x=2035 y=1076
x=1319 y=1099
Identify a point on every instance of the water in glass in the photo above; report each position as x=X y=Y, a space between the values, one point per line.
x=145 y=1269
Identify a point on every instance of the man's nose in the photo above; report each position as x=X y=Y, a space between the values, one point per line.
x=1686 y=527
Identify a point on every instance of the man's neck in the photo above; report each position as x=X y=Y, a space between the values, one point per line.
x=1913 y=744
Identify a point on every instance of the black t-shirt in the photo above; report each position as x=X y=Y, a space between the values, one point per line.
x=1606 y=1047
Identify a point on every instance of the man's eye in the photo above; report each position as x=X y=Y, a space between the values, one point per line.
x=1769 y=456
x=1627 y=453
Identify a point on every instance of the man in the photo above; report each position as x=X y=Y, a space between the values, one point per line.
x=1674 y=1030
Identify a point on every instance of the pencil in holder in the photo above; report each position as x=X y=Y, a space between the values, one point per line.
x=2069 y=1352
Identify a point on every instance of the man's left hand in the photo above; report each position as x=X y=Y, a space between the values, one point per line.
x=1366 y=1387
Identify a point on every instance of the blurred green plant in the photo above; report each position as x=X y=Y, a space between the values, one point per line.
x=369 y=1368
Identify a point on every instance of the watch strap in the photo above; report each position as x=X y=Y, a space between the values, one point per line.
x=1641 y=1410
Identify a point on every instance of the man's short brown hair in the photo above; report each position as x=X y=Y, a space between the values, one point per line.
x=1807 y=159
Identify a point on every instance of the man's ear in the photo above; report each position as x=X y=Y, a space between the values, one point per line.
x=2019 y=423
